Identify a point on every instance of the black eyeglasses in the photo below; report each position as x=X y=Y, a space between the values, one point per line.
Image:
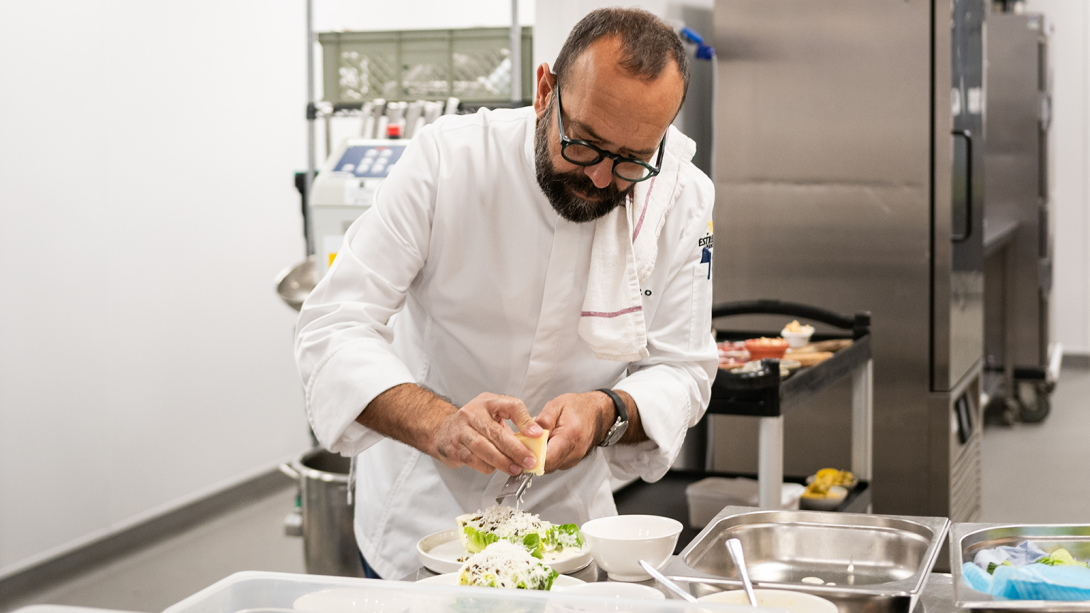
x=582 y=153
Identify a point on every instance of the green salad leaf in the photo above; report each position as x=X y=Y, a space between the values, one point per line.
x=533 y=543
x=566 y=535
x=476 y=541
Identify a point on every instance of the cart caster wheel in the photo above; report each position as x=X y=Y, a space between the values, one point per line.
x=1000 y=412
x=1036 y=407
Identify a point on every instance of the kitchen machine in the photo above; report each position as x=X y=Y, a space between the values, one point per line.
x=849 y=175
x=1022 y=362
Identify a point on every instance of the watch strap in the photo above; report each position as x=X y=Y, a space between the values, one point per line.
x=621 y=421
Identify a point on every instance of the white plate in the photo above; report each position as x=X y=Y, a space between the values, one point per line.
x=561 y=581
x=439 y=553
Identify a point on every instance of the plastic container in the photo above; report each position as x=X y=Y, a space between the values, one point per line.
x=708 y=497
x=265 y=592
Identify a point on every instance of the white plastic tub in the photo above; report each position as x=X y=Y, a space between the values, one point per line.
x=709 y=496
x=265 y=592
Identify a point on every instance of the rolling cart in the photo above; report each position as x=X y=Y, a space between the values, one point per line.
x=768 y=397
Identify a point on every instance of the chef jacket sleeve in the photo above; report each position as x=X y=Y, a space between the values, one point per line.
x=672 y=386
x=343 y=339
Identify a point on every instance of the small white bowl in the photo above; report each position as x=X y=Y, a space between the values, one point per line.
x=797 y=339
x=827 y=503
x=618 y=543
x=793 y=602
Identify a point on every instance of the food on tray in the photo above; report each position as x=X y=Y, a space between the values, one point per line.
x=731 y=363
x=537 y=447
x=832 y=345
x=797 y=335
x=504 y=564
x=765 y=342
x=828 y=477
x=538 y=537
x=760 y=348
x=810 y=359
x=796 y=327
x=735 y=351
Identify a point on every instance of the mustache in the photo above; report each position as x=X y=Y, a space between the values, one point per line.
x=579 y=181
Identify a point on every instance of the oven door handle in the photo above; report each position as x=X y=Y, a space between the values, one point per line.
x=968 y=136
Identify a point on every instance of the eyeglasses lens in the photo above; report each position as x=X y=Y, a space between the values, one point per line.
x=578 y=154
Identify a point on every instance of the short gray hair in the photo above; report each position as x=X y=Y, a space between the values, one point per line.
x=646 y=43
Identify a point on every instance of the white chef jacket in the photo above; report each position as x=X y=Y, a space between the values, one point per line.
x=464 y=279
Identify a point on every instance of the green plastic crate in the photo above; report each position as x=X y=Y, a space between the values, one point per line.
x=422 y=65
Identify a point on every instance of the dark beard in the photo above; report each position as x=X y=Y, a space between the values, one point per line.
x=558 y=186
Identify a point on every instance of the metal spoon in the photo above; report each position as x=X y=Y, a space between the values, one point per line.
x=734 y=546
x=670 y=585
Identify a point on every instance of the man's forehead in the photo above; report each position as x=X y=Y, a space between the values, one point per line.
x=597 y=73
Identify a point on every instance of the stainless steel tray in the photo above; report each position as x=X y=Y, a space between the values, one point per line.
x=967 y=539
x=877 y=562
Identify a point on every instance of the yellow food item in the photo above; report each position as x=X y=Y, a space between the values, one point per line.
x=795 y=326
x=764 y=341
x=537 y=447
x=827 y=478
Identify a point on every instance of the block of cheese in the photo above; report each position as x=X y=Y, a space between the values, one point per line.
x=537 y=446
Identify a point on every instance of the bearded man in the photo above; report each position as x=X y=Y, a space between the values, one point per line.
x=550 y=266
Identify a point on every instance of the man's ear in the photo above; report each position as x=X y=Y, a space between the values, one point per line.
x=546 y=82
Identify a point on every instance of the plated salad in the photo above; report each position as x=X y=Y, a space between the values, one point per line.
x=505 y=564
x=539 y=538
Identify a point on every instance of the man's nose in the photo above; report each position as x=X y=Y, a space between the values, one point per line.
x=601 y=173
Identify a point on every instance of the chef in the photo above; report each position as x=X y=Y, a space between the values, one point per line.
x=546 y=267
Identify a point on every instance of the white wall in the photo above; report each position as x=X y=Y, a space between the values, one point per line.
x=1070 y=140
x=146 y=204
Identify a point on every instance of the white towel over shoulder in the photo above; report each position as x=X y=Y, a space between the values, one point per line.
x=623 y=255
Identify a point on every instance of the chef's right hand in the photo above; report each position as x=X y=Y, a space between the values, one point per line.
x=476 y=436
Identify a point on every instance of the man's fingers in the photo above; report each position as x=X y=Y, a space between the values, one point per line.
x=507 y=407
x=498 y=445
x=559 y=453
x=485 y=451
x=549 y=414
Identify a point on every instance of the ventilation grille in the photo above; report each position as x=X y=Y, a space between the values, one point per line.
x=965 y=482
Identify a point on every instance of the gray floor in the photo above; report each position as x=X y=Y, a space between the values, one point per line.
x=248 y=538
x=1032 y=474
x=1037 y=473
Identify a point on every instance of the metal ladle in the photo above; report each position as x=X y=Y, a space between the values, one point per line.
x=670 y=585
x=734 y=546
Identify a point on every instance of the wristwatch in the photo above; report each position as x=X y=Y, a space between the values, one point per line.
x=617 y=430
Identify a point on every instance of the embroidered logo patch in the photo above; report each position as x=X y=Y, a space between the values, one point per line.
x=709 y=238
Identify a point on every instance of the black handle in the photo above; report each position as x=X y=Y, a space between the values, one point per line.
x=859 y=324
x=968 y=136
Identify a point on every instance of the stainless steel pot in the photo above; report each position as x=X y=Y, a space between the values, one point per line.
x=294 y=284
x=329 y=543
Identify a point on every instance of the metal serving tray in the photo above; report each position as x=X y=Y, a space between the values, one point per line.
x=878 y=563
x=967 y=539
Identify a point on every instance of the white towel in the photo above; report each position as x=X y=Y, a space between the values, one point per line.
x=623 y=255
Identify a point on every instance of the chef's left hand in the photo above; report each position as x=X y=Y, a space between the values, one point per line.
x=576 y=424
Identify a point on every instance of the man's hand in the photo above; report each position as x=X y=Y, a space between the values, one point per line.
x=474 y=436
x=477 y=436
x=579 y=422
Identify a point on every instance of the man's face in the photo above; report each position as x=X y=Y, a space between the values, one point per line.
x=608 y=108
x=572 y=193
